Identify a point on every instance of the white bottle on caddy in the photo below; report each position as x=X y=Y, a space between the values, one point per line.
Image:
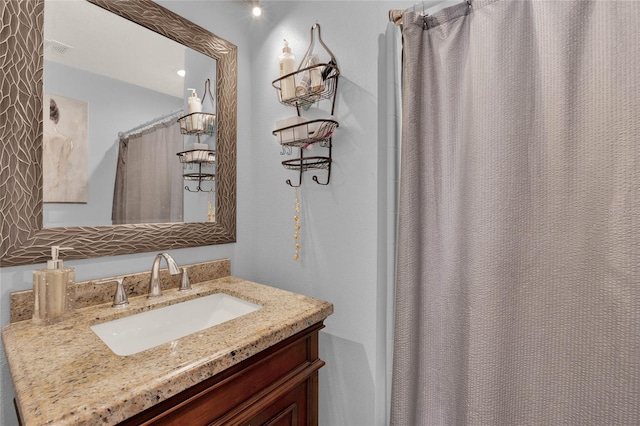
x=287 y=66
x=194 y=105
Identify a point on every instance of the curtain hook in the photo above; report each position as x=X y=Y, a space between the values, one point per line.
x=425 y=24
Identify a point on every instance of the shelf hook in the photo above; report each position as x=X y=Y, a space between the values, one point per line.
x=286 y=149
x=315 y=179
x=299 y=180
x=299 y=173
x=292 y=185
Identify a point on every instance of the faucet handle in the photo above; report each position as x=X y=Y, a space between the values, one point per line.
x=120 y=297
x=185 y=284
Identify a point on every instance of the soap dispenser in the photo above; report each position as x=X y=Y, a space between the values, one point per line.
x=287 y=66
x=194 y=105
x=52 y=290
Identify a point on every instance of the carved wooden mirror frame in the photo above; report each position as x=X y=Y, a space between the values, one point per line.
x=23 y=240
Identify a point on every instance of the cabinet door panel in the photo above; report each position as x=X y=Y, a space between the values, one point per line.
x=290 y=410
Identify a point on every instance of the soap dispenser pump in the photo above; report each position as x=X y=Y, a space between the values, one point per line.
x=52 y=289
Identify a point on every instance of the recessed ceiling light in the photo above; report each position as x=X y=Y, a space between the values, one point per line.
x=256 y=10
x=181 y=73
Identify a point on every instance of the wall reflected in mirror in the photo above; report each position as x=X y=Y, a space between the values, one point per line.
x=127 y=77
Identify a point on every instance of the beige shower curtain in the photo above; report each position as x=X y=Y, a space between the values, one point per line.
x=149 y=186
x=518 y=270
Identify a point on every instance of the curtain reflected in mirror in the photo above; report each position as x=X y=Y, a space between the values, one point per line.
x=148 y=183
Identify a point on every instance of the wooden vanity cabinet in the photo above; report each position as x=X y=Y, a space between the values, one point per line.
x=276 y=387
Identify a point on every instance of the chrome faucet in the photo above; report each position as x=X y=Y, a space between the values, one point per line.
x=120 y=297
x=185 y=284
x=154 y=282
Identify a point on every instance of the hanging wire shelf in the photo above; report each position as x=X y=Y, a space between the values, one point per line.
x=307 y=163
x=304 y=134
x=197 y=156
x=199 y=176
x=306 y=96
x=198 y=123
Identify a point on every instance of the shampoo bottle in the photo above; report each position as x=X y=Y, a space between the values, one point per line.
x=317 y=85
x=287 y=66
x=52 y=290
x=194 y=106
x=311 y=81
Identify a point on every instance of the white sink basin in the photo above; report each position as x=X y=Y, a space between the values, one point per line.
x=136 y=333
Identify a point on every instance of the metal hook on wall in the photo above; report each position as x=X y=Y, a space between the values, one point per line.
x=311 y=44
x=300 y=163
x=294 y=186
x=315 y=179
x=299 y=180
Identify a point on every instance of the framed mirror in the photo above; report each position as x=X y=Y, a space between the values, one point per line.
x=115 y=100
x=24 y=239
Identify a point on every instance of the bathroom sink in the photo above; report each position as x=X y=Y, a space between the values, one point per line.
x=136 y=333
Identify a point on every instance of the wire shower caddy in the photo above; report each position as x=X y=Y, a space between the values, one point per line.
x=312 y=132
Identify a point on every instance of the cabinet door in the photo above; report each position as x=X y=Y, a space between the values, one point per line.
x=290 y=410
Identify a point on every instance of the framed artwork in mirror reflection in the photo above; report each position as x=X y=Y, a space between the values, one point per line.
x=64 y=150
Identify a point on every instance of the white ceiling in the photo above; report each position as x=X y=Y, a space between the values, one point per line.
x=106 y=44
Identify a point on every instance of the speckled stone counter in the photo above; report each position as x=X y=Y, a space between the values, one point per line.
x=65 y=375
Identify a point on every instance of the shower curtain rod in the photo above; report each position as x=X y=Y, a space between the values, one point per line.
x=149 y=124
x=395 y=15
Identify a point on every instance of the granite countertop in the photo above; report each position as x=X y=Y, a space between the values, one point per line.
x=65 y=375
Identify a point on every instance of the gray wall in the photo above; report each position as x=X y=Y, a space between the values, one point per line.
x=342 y=246
x=341 y=243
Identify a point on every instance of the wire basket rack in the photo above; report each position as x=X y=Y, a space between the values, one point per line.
x=302 y=135
x=199 y=176
x=313 y=82
x=198 y=123
x=309 y=95
x=307 y=163
x=197 y=156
